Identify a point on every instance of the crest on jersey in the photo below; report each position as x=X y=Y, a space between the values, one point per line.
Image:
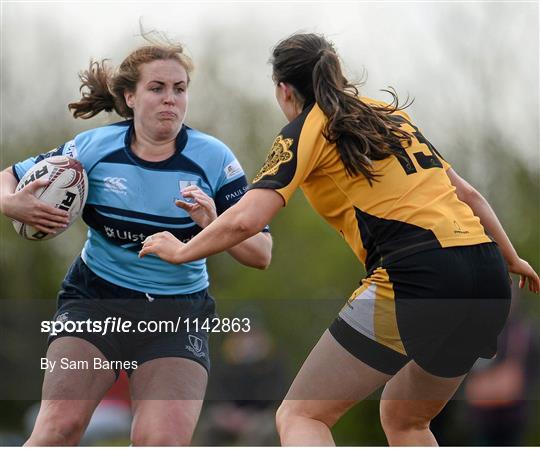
x=183 y=184
x=233 y=169
x=195 y=342
x=279 y=154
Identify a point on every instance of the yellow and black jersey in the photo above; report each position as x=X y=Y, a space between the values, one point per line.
x=411 y=207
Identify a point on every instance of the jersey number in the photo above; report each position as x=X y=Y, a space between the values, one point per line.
x=424 y=160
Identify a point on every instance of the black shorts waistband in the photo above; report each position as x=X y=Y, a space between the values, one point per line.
x=82 y=278
x=401 y=257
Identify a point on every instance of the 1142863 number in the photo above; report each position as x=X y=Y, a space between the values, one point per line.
x=216 y=324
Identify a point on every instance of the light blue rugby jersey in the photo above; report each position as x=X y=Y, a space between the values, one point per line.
x=130 y=199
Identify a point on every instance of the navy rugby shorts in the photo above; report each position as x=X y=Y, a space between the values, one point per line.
x=442 y=308
x=85 y=296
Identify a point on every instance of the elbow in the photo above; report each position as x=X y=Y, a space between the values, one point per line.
x=263 y=261
x=258 y=261
x=474 y=198
x=262 y=253
x=261 y=247
x=470 y=196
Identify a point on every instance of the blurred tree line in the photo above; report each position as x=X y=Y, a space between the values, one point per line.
x=313 y=271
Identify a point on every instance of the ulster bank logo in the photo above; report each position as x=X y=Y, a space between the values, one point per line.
x=116 y=185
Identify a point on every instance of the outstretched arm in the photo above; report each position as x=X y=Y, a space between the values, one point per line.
x=238 y=223
x=255 y=252
x=481 y=208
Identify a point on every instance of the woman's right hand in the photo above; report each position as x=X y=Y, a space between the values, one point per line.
x=202 y=210
x=526 y=272
x=23 y=206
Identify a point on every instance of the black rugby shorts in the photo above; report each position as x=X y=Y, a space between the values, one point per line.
x=442 y=308
x=85 y=296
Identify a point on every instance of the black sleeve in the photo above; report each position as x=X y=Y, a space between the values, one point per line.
x=230 y=194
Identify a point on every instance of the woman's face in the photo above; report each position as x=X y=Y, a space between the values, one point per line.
x=160 y=100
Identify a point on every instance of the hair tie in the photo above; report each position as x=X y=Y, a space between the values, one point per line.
x=321 y=53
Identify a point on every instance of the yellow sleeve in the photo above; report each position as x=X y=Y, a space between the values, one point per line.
x=293 y=154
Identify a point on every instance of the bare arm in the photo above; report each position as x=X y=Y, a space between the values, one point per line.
x=243 y=220
x=8 y=184
x=254 y=252
x=481 y=208
x=23 y=206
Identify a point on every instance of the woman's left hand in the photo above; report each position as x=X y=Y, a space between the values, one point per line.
x=164 y=245
x=526 y=273
x=202 y=210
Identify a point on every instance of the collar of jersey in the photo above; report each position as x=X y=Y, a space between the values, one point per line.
x=180 y=143
x=308 y=105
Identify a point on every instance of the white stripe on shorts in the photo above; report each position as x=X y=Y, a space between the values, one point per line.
x=359 y=313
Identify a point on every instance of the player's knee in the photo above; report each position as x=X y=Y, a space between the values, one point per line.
x=397 y=418
x=291 y=410
x=162 y=440
x=282 y=417
x=160 y=437
x=59 y=430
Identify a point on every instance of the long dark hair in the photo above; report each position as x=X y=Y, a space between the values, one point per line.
x=362 y=132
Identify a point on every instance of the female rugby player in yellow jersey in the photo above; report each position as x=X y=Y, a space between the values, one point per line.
x=436 y=293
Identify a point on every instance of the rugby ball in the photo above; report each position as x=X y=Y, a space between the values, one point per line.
x=67 y=190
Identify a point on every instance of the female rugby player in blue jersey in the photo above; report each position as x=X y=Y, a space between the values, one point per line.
x=136 y=169
x=436 y=293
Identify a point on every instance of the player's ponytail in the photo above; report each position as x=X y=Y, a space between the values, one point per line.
x=362 y=132
x=96 y=94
